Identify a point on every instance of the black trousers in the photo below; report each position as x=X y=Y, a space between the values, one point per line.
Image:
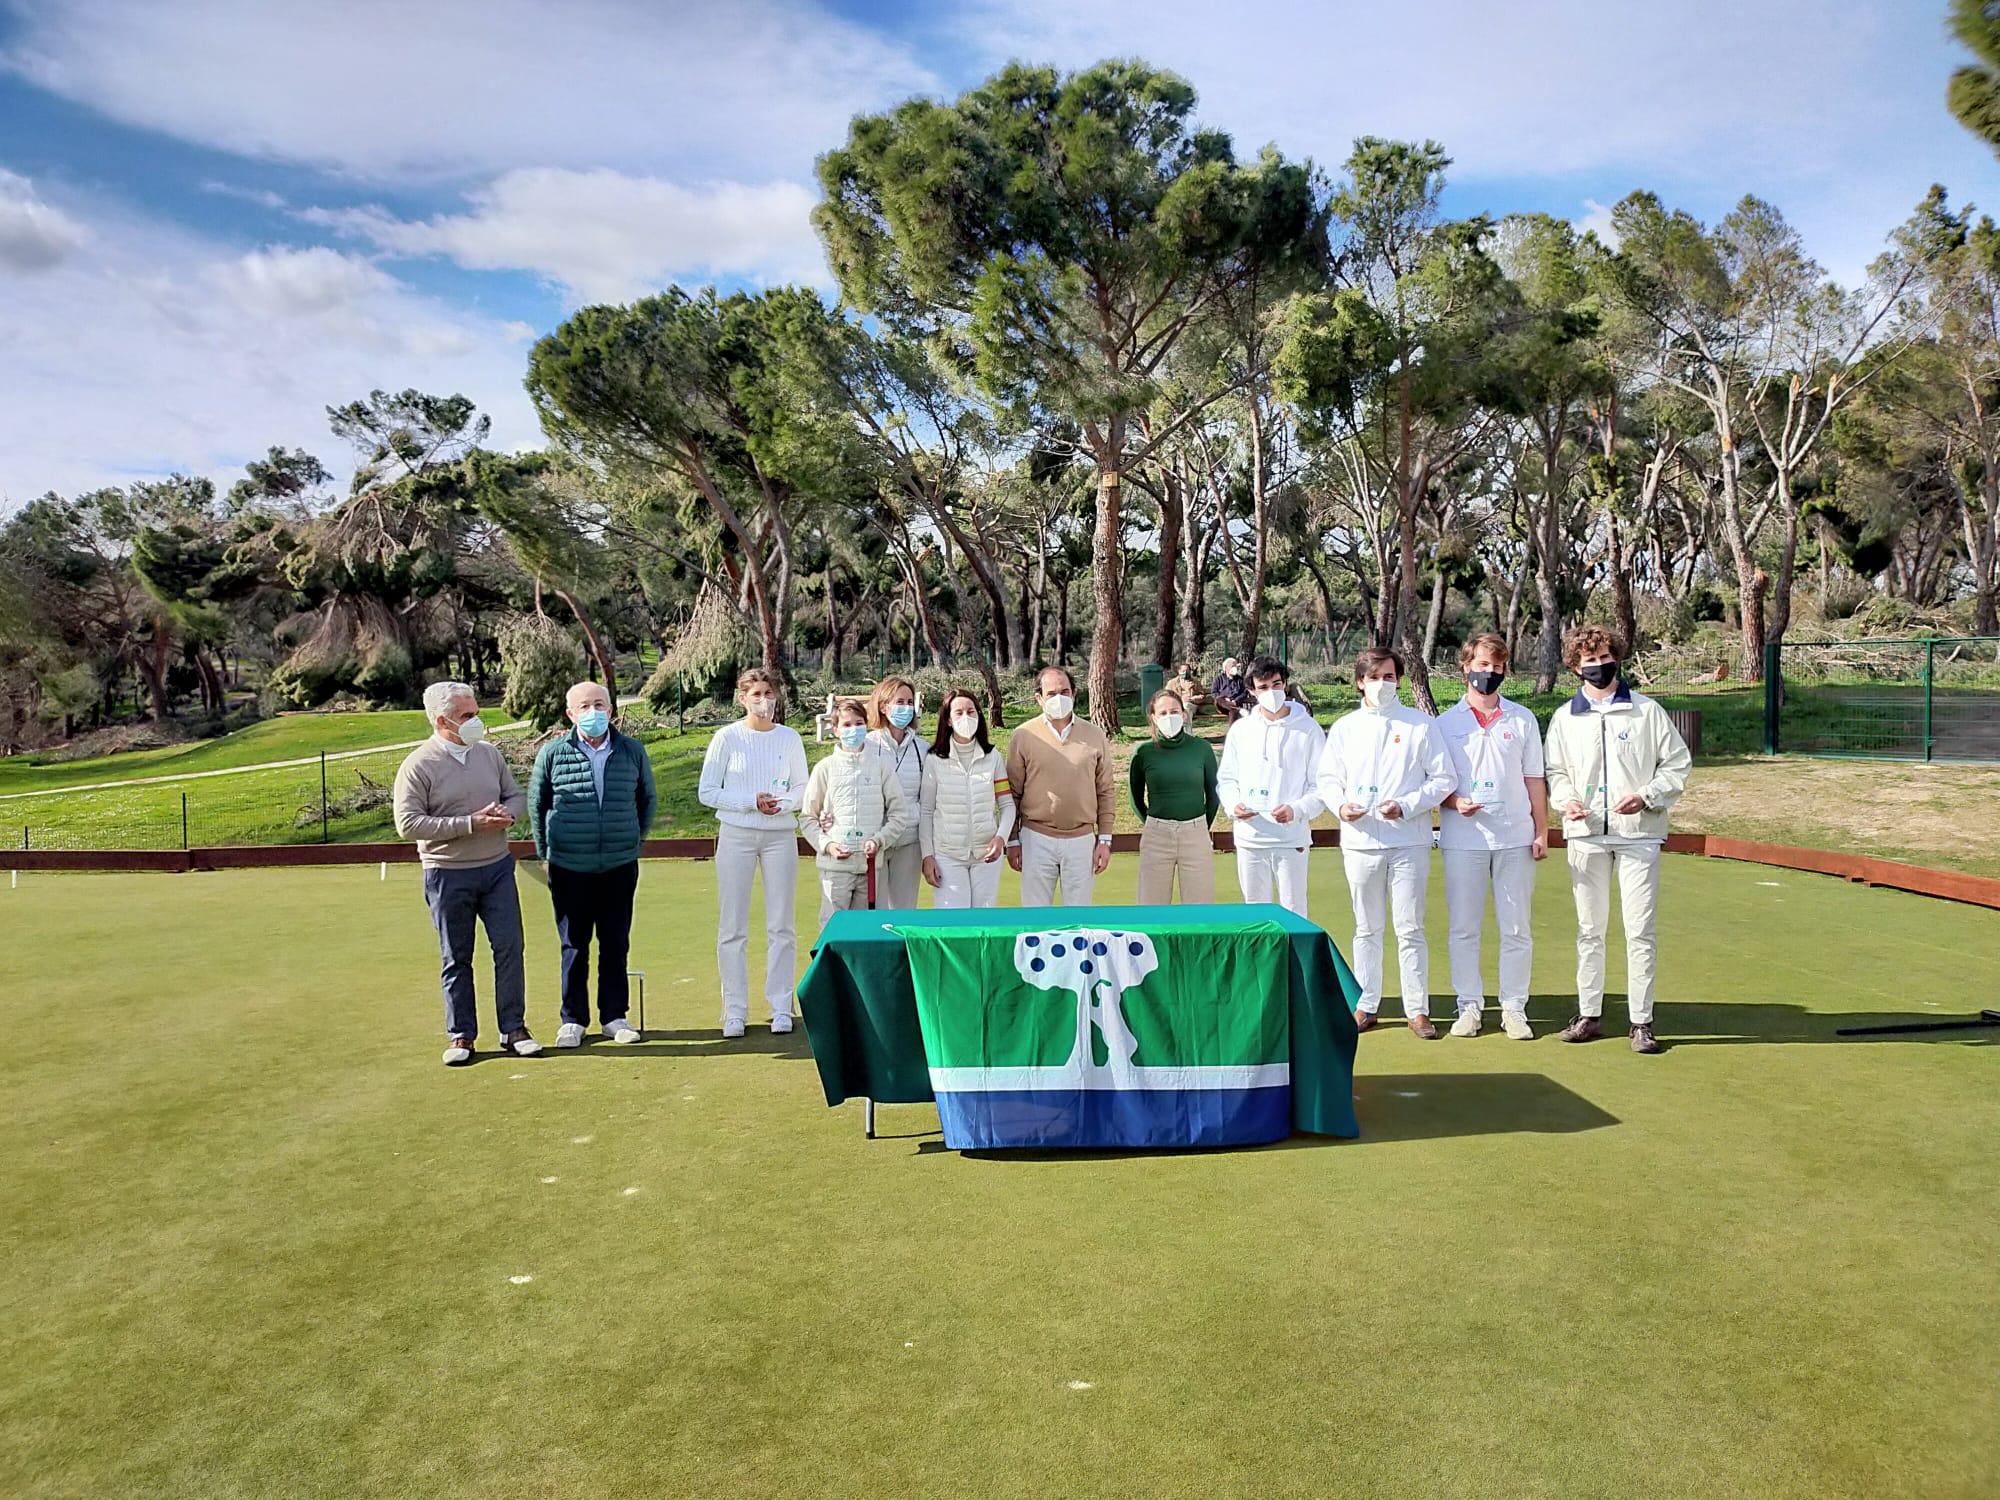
x=598 y=906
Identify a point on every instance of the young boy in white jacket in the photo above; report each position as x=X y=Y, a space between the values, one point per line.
x=1268 y=785
x=1383 y=770
x=853 y=810
x=1493 y=829
x=1616 y=764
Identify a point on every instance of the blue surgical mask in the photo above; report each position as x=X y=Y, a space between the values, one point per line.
x=853 y=736
x=902 y=715
x=593 y=722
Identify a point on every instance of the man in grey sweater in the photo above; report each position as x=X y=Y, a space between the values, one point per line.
x=457 y=798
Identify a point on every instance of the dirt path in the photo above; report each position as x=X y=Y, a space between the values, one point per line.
x=1947 y=816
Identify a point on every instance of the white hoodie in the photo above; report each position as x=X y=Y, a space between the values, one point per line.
x=1392 y=754
x=1268 y=764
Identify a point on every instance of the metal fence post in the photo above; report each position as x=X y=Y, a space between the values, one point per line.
x=324 y=837
x=184 y=822
x=1930 y=677
x=680 y=704
x=1773 y=697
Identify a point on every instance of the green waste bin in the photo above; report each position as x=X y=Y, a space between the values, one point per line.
x=1152 y=677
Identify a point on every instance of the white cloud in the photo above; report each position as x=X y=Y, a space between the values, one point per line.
x=1596 y=219
x=385 y=89
x=262 y=197
x=33 y=235
x=151 y=350
x=282 y=282
x=604 y=236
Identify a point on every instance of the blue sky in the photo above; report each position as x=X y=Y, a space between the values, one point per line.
x=219 y=216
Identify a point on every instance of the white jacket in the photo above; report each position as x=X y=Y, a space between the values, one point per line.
x=1599 y=757
x=1393 y=754
x=1268 y=764
x=907 y=761
x=860 y=790
x=966 y=803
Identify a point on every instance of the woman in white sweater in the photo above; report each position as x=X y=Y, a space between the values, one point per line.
x=753 y=777
x=967 y=807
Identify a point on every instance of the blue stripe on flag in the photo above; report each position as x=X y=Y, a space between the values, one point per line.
x=988 y=1119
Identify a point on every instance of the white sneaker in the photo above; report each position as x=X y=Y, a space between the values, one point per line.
x=780 y=1025
x=621 y=1030
x=569 y=1034
x=732 y=1029
x=457 y=1052
x=1467 y=1024
x=1515 y=1024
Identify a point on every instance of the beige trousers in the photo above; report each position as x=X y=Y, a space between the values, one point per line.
x=1169 y=849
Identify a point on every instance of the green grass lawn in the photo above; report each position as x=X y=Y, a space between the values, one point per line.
x=260 y=1243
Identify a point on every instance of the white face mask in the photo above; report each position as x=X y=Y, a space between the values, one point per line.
x=1170 y=725
x=1271 y=700
x=1058 y=706
x=761 y=708
x=965 y=726
x=1378 y=693
x=471 y=732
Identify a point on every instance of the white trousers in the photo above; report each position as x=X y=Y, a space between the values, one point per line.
x=846 y=890
x=1260 y=871
x=1386 y=885
x=968 y=882
x=739 y=854
x=1590 y=871
x=1047 y=863
x=898 y=872
x=1510 y=875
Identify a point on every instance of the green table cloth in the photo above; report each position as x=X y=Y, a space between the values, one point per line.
x=1088 y=1026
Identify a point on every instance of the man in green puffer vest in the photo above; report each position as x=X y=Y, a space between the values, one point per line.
x=590 y=802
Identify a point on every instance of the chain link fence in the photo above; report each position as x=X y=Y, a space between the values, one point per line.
x=345 y=798
x=1930 y=698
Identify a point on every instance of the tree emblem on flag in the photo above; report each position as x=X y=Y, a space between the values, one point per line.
x=1097 y=966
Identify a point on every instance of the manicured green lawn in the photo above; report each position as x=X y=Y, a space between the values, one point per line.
x=259 y=1243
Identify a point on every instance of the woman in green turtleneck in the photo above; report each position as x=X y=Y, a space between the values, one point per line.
x=1173 y=788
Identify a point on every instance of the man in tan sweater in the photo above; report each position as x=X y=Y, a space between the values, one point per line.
x=457 y=798
x=1060 y=769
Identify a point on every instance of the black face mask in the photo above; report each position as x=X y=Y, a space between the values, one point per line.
x=1485 y=682
x=1599 y=673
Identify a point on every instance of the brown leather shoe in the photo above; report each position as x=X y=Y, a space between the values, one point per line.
x=1643 y=1039
x=1421 y=1025
x=1582 y=1029
x=1364 y=1020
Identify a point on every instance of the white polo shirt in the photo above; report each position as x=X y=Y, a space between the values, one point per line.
x=1492 y=765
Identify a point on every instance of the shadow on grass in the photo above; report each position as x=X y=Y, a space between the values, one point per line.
x=1711 y=1023
x=1392 y=1107
x=1436 y=1106
x=704 y=1042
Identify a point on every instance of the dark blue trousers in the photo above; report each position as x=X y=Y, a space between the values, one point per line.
x=595 y=905
x=459 y=900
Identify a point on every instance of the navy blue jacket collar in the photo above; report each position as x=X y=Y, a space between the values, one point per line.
x=1580 y=704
